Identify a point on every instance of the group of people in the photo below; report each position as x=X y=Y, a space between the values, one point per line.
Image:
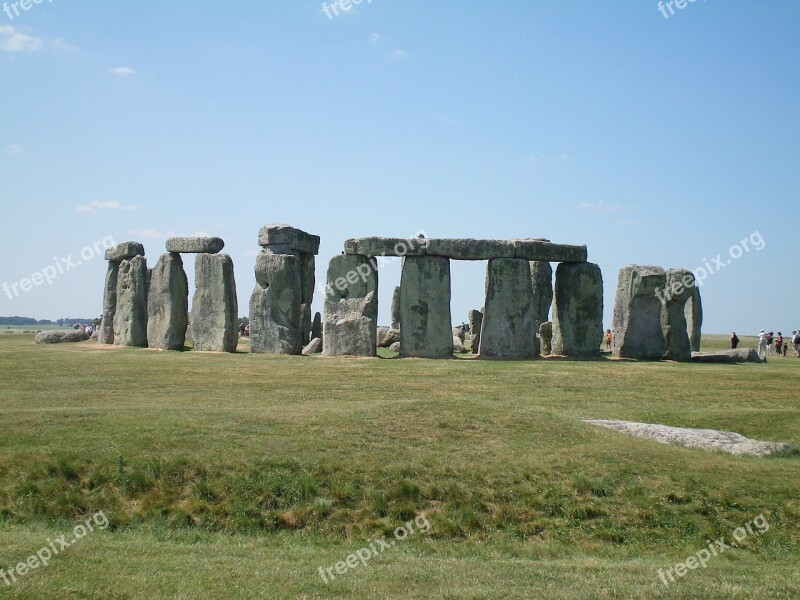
x=89 y=329
x=244 y=330
x=767 y=340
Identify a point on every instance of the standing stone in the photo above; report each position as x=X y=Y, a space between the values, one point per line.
x=167 y=304
x=637 y=313
x=215 y=320
x=307 y=280
x=275 y=307
x=578 y=310
x=546 y=338
x=106 y=332
x=679 y=286
x=130 y=318
x=508 y=324
x=425 y=322
x=316 y=327
x=542 y=282
x=396 y=308
x=350 y=317
x=313 y=347
x=475 y=318
x=694 y=318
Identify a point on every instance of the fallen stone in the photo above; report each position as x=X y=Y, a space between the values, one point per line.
x=313 y=347
x=215 y=320
x=395 y=347
x=578 y=310
x=195 y=245
x=57 y=337
x=387 y=336
x=459 y=333
x=739 y=355
x=130 y=318
x=458 y=345
x=124 y=251
x=350 y=315
x=508 y=328
x=707 y=439
x=167 y=304
x=425 y=322
x=275 y=307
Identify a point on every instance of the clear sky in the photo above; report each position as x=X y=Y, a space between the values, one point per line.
x=652 y=139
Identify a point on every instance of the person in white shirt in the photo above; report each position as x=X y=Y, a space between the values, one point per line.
x=762 y=345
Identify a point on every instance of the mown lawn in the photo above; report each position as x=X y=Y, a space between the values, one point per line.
x=237 y=476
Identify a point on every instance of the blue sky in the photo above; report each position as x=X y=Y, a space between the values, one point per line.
x=652 y=140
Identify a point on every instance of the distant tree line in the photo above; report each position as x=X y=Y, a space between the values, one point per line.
x=30 y=321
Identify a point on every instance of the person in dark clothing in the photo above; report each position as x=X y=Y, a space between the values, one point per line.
x=734 y=341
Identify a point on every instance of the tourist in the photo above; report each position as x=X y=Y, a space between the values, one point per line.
x=241 y=329
x=779 y=344
x=769 y=340
x=609 y=337
x=734 y=340
x=762 y=346
x=796 y=343
x=785 y=348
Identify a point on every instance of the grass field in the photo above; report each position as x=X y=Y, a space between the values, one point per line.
x=238 y=476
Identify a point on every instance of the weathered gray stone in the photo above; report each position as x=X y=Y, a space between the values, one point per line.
x=106 y=332
x=167 y=304
x=195 y=245
x=542 y=282
x=542 y=250
x=459 y=333
x=693 y=312
x=313 y=347
x=130 y=318
x=637 y=313
x=124 y=251
x=470 y=249
x=706 y=439
x=458 y=345
x=387 y=336
x=678 y=289
x=275 y=307
x=288 y=236
x=377 y=246
x=395 y=347
x=508 y=321
x=475 y=318
x=578 y=310
x=739 y=355
x=546 y=338
x=350 y=316
x=57 y=337
x=307 y=280
x=215 y=320
x=425 y=323
x=316 y=326
x=395 y=316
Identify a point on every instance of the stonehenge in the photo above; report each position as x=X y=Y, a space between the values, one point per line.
x=277 y=309
x=657 y=313
x=650 y=311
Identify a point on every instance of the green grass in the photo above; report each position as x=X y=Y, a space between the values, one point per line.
x=227 y=475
